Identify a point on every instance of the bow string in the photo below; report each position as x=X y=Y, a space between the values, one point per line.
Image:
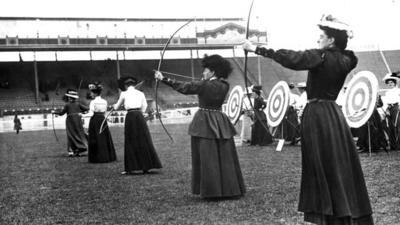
x=157 y=81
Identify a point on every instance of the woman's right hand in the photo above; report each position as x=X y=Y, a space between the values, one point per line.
x=158 y=75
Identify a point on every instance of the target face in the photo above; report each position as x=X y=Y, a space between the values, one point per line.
x=277 y=104
x=360 y=98
x=234 y=104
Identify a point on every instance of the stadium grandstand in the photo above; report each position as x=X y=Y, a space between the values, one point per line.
x=40 y=58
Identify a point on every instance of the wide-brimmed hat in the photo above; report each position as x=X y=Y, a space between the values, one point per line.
x=334 y=23
x=391 y=76
x=72 y=93
x=301 y=85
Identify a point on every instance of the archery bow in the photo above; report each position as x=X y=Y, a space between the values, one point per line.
x=157 y=81
x=52 y=108
x=245 y=67
x=102 y=127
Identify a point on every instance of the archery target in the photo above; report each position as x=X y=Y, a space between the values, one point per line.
x=234 y=104
x=277 y=104
x=360 y=98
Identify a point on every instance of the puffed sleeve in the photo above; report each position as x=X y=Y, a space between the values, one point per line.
x=187 y=88
x=91 y=108
x=144 y=103
x=120 y=100
x=295 y=60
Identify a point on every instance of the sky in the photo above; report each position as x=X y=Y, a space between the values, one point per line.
x=290 y=23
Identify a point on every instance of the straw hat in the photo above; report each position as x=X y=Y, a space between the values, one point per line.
x=72 y=93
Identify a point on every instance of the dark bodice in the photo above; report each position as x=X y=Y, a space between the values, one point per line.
x=259 y=103
x=73 y=108
x=259 y=106
x=327 y=68
x=211 y=93
x=210 y=124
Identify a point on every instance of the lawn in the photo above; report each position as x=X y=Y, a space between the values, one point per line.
x=40 y=185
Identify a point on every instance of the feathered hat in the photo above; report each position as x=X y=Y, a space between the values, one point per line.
x=96 y=87
x=334 y=23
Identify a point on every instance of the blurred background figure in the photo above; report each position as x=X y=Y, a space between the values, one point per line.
x=247 y=117
x=77 y=140
x=260 y=134
x=391 y=106
x=17 y=124
x=101 y=146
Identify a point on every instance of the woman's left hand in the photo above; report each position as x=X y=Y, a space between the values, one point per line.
x=247 y=45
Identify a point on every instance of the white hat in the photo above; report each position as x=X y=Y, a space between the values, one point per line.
x=391 y=76
x=331 y=22
x=72 y=94
x=301 y=85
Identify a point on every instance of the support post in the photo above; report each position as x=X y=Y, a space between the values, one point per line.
x=35 y=69
x=118 y=69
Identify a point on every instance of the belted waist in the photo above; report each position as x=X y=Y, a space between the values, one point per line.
x=209 y=109
x=394 y=104
x=73 y=114
x=319 y=100
x=134 y=109
x=98 y=113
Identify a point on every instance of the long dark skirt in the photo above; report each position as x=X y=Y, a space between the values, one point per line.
x=375 y=135
x=77 y=140
x=215 y=168
x=101 y=146
x=394 y=126
x=333 y=189
x=260 y=134
x=139 y=153
x=289 y=126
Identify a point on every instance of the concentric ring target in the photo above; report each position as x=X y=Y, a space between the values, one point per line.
x=360 y=98
x=234 y=104
x=277 y=104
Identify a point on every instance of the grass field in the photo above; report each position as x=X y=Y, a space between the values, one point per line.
x=40 y=185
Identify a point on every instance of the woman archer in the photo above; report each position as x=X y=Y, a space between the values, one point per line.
x=216 y=171
x=333 y=189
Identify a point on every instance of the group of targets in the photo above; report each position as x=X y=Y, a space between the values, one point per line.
x=360 y=99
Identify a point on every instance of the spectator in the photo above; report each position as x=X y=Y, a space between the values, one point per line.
x=17 y=124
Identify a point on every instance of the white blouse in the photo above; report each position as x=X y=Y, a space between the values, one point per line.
x=132 y=99
x=98 y=104
x=293 y=99
x=392 y=96
x=302 y=101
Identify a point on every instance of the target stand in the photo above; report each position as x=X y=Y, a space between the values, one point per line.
x=277 y=105
x=360 y=100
